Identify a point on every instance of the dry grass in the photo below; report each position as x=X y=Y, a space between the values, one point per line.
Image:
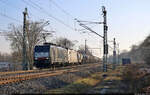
x=115 y=74
x=85 y=84
x=136 y=81
x=80 y=86
x=112 y=78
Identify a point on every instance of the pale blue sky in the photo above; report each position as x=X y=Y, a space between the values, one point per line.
x=128 y=20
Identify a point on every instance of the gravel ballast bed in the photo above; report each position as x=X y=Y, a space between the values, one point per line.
x=41 y=85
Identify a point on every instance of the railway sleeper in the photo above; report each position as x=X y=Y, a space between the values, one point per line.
x=32 y=76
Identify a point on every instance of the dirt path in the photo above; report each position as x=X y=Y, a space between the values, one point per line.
x=110 y=84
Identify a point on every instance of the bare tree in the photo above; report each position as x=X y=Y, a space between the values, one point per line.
x=145 y=47
x=139 y=53
x=4 y=57
x=33 y=37
x=65 y=42
x=82 y=50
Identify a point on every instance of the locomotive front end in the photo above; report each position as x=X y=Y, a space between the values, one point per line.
x=42 y=56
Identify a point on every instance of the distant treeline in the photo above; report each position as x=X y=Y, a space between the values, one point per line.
x=4 y=57
x=138 y=53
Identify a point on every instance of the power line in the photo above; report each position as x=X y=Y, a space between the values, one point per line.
x=6 y=16
x=36 y=4
x=28 y=4
x=110 y=47
x=11 y=18
x=44 y=11
x=12 y=6
x=86 y=27
x=61 y=9
x=28 y=10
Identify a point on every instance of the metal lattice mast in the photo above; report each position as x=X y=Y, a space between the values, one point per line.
x=118 y=54
x=24 y=52
x=105 y=45
x=114 y=55
x=85 y=47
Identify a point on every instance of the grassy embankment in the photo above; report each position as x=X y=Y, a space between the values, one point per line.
x=83 y=85
x=136 y=79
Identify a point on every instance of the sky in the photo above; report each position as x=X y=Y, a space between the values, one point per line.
x=128 y=20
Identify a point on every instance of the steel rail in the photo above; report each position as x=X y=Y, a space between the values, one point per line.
x=31 y=71
x=22 y=77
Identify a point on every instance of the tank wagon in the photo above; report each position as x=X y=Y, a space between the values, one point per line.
x=49 y=55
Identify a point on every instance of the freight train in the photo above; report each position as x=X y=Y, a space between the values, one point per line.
x=50 y=55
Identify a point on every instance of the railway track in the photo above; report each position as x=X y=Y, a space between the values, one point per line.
x=18 y=76
x=2 y=74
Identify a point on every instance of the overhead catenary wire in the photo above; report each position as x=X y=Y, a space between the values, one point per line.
x=36 y=4
x=64 y=11
x=39 y=8
x=45 y=12
x=6 y=16
x=11 y=18
x=10 y=5
x=28 y=4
